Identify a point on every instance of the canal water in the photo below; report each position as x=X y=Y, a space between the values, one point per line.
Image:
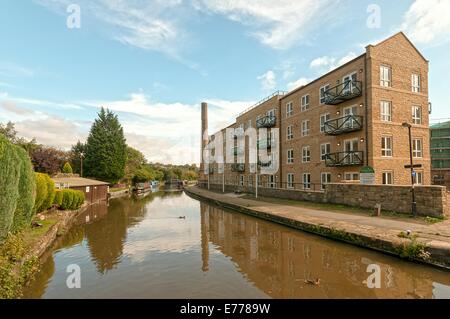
x=141 y=248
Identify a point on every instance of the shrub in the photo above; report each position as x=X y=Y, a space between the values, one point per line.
x=48 y=202
x=27 y=192
x=58 y=198
x=67 y=169
x=41 y=191
x=9 y=184
x=68 y=196
x=72 y=199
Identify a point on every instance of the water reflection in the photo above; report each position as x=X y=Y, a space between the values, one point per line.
x=140 y=248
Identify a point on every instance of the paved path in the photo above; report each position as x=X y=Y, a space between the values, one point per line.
x=379 y=228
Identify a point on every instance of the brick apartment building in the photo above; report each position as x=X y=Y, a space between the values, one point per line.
x=343 y=121
x=440 y=154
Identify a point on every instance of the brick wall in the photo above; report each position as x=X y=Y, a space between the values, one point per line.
x=433 y=201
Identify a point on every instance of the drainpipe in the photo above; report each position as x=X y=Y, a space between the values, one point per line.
x=366 y=108
x=280 y=152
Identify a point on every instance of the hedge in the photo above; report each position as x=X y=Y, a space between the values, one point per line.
x=27 y=191
x=9 y=184
x=41 y=192
x=58 y=198
x=72 y=199
x=48 y=202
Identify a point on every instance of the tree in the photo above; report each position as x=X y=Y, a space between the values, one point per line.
x=67 y=169
x=106 y=149
x=75 y=156
x=135 y=161
x=143 y=175
x=10 y=133
x=48 y=160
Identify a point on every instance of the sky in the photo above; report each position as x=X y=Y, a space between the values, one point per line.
x=153 y=62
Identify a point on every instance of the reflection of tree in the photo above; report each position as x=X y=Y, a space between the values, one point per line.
x=37 y=287
x=106 y=236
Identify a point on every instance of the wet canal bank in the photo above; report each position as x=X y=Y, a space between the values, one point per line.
x=143 y=249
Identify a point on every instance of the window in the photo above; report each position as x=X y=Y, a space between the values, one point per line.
x=290 y=156
x=290 y=132
x=306 y=154
x=386 y=146
x=417 y=148
x=305 y=102
x=325 y=178
x=418 y=178
x=88 y=189
x=324 y=150
x=352 y=176
x=387 y=178
x=385 y=76
x=241 y=180
x=415 y=83
x=305 y=128
x=272 y=182
x=322 y=96
x=386 y=111
x=290 y=180
x=417 y=115
x=306 y=181
x=289 y=109
x=323 y=119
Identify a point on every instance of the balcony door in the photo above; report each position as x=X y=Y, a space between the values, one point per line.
x=350 y=147
x=349 y=83
x=349 y=111
x=271 y=113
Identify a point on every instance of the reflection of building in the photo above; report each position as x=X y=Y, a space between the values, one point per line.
x=333 y=126
x=278 y=260
x=440 y=154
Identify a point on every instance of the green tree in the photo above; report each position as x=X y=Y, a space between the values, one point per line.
x=106 y=149
x=143 y=175
x=67 y=169
x=75 y=156
x=135 y=161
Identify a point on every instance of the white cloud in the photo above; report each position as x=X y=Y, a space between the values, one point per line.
x=148 y=25
x=300 y=82
x=276 y=23
x=326 y=63
x=427 y=22
x=268 y=80
x=13 y=70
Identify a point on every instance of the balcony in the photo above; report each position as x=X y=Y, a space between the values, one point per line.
x=346 y=124
x=265 y=143
x=240 y=168
x=264 y=164
x=266 y=122
x=354 y=158
x=343 y=92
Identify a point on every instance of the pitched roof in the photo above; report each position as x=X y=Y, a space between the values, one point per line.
x=78 y=181
x=407 y=39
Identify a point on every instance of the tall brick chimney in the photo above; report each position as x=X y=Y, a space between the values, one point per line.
x=204 y=138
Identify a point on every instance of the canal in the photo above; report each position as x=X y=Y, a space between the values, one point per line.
x=141 y=248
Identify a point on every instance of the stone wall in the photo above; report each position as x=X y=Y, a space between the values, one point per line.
x=433 y=201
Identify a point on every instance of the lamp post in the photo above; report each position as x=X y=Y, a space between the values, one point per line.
x=81 y=166
x=413 y=204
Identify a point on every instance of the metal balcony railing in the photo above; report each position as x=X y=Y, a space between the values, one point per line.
x=346 y=124
x=240 y=168
x=265 y=143
x=343 y=92
x=354 y=158
x=266 y=121
x=264 y=164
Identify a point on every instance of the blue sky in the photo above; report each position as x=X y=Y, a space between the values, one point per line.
x=154 y=61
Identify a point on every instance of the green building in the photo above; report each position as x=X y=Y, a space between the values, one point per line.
x=440 y=153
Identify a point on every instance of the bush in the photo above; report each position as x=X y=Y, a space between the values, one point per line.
x=48 y=202
x=27 y=192
x=41 y=191
x=58 y=198
x=142 y=176
x=67 y=200
x=9 y=184
x=72 y=199
x=67 y=169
